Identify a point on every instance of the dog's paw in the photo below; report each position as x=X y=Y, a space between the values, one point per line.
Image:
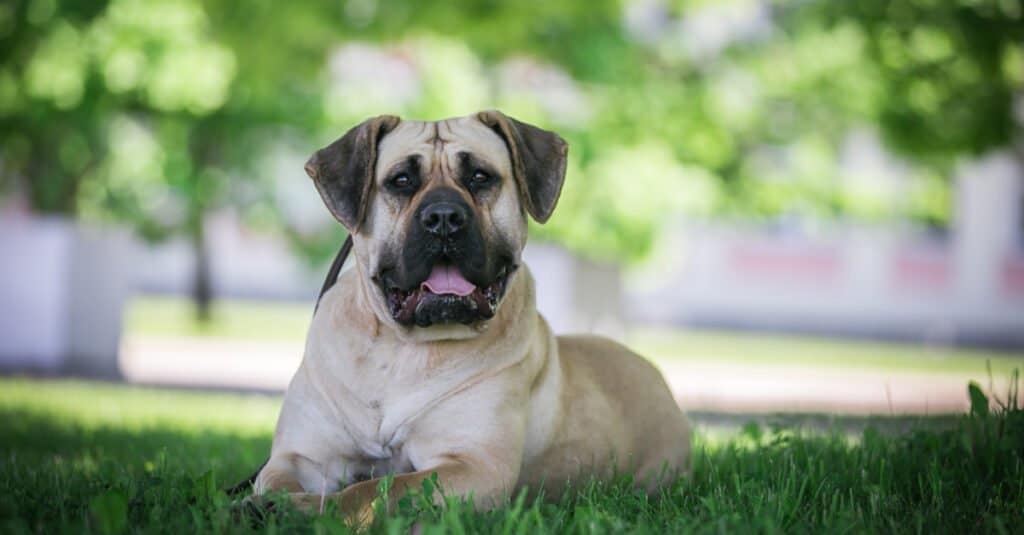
x=306 y=502
x=254 y=510
x=356 y=512
x=358 y=509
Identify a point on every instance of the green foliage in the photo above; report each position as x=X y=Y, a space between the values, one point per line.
x=950 y=71
x=156 y=112
x=101 y=458
x=136 y=110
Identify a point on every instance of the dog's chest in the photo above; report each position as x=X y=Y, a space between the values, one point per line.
x=376 y=402
x=362 y=400
x=361 y=434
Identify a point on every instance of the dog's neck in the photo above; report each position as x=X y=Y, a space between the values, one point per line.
x=378 y=382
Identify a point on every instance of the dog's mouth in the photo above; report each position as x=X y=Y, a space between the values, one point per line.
x=446 y=296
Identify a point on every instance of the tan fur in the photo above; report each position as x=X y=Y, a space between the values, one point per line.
x=490 y=408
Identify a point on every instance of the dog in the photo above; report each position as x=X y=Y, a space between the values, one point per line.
x=429 y=356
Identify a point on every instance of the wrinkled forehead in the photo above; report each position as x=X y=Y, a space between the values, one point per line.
x=444 y=140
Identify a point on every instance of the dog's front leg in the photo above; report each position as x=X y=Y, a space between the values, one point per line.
x=455 y=477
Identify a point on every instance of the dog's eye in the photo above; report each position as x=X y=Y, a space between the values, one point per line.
x=402 y=183
x=479 y=181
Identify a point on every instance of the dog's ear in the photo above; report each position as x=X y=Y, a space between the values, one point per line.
x=538 y=161
x=343 y=171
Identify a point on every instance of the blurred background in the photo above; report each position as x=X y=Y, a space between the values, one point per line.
x=812 y=206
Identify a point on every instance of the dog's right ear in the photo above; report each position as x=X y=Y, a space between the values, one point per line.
x=343 y=171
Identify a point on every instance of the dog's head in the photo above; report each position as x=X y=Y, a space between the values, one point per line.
x=437 y=211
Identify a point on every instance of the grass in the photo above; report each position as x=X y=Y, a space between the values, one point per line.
x=175 y=316
x=164 y=316
x=84 y=457
x=781 y=349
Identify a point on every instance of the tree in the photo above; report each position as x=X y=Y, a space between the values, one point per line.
x=157 y=112
x=52 y=106
x=183 y=109
x=951 y=71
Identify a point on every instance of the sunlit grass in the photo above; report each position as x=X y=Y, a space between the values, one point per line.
x=253 y=320
x=97 y=405
x=781 y=349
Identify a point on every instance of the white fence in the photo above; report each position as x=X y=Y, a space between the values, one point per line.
x=891 y=282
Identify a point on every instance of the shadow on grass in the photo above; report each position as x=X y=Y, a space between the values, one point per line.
x=51 y=470
x=967 y=475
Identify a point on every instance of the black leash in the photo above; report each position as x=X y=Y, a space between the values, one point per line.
x=332 y=274
x=332 y=277
x=246 y=483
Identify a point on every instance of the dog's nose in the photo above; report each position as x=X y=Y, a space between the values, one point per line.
x=443 y=218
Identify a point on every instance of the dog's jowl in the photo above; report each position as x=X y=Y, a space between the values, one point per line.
x=429 y=356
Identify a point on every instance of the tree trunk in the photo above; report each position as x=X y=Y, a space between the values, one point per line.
x=203 y=146
x=202 y=288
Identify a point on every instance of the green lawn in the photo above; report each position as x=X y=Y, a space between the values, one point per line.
x=164 y=316
x=175 y=316
x=87 y=457
x=776 y=349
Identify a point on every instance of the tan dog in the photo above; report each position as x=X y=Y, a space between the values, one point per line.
x=429 y=356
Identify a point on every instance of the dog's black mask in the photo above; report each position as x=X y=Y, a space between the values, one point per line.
x=446 y=271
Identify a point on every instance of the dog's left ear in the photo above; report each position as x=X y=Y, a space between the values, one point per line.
x=343 y=171
x=538 y=161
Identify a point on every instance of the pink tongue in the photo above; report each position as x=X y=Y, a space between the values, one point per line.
x=447 y=280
